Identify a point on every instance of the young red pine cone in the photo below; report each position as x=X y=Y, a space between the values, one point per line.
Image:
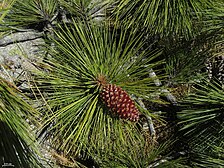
x=119 y=102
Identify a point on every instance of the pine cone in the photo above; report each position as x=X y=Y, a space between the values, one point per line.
x=119 y=102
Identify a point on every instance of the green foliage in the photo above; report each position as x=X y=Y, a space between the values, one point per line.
x=17 y=143
x=169 y=17
x=121 y=50
x=5 y=7
x=202 y=124
x=206 y=160
x=206 y=109
x=83 y=53
x=213 y=20
x=141 y=155
x=36 y=13
x=186 y=60
x=84 y=9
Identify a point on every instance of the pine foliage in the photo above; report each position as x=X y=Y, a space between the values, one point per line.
x=107 y=64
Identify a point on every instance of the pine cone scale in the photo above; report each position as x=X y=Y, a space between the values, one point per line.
x=119 y=102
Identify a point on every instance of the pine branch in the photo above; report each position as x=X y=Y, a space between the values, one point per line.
x=170 y=97
x=149 y=124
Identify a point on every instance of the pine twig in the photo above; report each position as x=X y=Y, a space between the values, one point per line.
x=149 y=124
x=169 y=96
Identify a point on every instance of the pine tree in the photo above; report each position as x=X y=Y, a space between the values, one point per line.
x=107 y=81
